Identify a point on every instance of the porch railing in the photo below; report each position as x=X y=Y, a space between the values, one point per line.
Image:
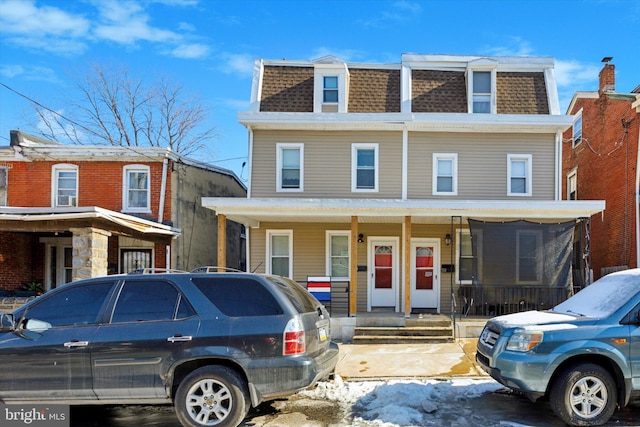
x=496 y=300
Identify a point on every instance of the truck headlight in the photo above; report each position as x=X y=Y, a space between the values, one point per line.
x=523 y=340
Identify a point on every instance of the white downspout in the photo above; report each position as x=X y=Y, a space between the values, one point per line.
x=558 y=166
x=163 y=190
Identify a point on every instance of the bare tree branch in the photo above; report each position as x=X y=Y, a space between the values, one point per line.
x=113 y=108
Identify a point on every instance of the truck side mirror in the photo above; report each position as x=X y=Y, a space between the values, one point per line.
x=7 y=323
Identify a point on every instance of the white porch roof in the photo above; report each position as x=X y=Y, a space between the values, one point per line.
x=252 y=212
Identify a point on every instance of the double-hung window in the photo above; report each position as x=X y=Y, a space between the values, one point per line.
x=330 y=89
x=577 y=129
x=364 y=167
x=482 y=92
x=519 y=175
x=136 y=195
x=290 y=164
x=528 y=257
x=338 y=244
x=65 y=186
x=445 y=174
x=469 y=266
x=4 y=181
x=572 y=185
x=280 y=252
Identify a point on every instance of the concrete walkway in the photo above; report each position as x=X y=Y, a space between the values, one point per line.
x=387 y=361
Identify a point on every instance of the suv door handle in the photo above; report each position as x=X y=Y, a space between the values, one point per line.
x=179 y=338
x=76 y=343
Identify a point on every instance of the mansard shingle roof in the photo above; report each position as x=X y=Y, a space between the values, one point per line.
x=374 y=91
x=287 y=89
x=521 y=93
x=438 y=92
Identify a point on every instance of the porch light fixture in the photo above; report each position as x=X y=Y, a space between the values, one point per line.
x=447 y=239
x=360 y=238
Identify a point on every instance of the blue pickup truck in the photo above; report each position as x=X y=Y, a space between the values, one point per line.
x=583 y=354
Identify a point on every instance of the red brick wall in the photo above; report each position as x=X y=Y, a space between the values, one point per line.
x=21 y=260
x=606 y=163
x=99 y=184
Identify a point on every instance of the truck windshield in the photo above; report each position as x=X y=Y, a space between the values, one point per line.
x=603 y=297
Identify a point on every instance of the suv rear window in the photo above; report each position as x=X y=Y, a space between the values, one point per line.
x=302 y=300
x=238 y=297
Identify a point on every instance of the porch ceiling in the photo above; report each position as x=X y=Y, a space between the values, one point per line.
x=393 y=211
x=61 y=219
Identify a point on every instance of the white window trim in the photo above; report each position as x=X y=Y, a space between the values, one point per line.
x=454 y=184
x=279 y=148
x=354 y=167
x=528 y=158
x=125 y=188
x=322 y=70
x=63 y=167
x=329 y=235
x=482 y=65
x=478 y=235
x=539 y=264
x=4 y=196
x=270 y=234
x=578 y=117
x=572 y=174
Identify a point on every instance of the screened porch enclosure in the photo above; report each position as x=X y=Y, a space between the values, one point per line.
x=516 y=266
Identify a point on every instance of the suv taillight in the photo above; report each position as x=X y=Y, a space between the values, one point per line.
x=293 y=338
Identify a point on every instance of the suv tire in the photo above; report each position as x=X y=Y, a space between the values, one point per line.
x=212 y=396
x=584 y=395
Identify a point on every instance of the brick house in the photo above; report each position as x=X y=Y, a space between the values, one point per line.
x=69 y=212
x=417 y=187
x=601 y=160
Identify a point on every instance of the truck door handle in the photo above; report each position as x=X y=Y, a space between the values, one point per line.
x=179 y=338
x=76 y=343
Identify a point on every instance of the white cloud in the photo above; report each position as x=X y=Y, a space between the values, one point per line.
x=43 y=28
x=11 y=71
x=515 y=46
x=191 y=51
x=235 y=63
x=574 y=73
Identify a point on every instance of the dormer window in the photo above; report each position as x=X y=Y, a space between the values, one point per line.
x=330 y=91
x=481 y=86
x=482 y=92
x=331 y=80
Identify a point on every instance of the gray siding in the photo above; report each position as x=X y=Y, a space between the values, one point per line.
x=482 y=163
x=327 y=163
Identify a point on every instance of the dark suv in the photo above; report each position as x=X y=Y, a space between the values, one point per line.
x=214 y=344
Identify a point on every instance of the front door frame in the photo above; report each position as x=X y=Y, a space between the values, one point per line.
x=394 y=242
x=435 y=242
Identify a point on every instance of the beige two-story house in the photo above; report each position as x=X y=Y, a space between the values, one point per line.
x=432 y=185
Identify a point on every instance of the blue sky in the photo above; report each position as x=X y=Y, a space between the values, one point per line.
x=210 y=46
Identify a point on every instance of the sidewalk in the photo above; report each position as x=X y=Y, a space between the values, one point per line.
x=384 y=361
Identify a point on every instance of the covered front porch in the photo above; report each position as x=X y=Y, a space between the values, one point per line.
x=405 y=257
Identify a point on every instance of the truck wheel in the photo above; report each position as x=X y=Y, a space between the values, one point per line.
x=212 y=396
x=584 y=395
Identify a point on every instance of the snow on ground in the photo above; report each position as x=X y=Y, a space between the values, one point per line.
x=406 y=403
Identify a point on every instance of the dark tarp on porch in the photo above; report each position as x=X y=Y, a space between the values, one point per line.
x=522 y=252
x=530 y=260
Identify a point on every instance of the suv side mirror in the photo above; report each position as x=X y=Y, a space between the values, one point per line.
x=7 y=323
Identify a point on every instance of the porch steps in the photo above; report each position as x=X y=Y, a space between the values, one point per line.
x=395 y=330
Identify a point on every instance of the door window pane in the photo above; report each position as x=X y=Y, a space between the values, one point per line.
x=383 y=267
x=424 y=267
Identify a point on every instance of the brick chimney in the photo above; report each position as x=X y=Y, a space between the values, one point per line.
x=607 y=78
